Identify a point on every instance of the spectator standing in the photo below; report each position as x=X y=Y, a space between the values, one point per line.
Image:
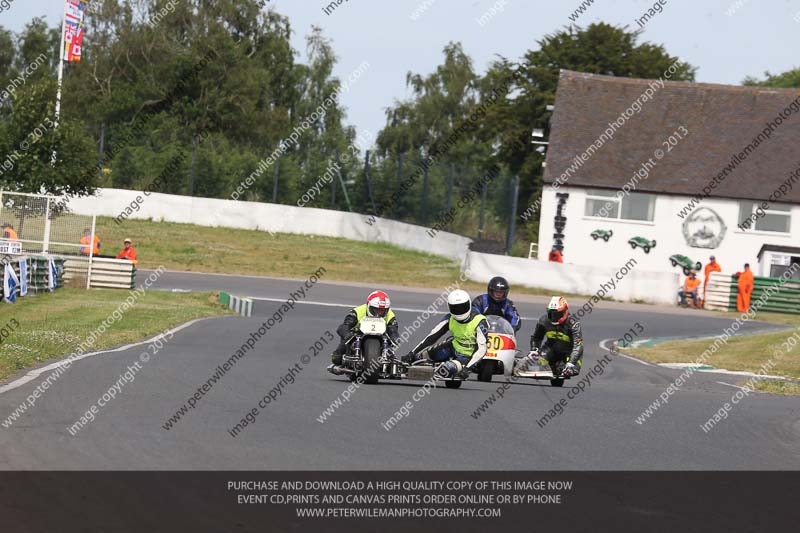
x=690 y=287
x=745 y=285
x=86 y=240
x=129 y=252
x=712 y=266
x=9 y=233
x=555 y=256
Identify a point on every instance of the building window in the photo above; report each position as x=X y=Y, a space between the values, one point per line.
x=776 y=219
x=606 y=204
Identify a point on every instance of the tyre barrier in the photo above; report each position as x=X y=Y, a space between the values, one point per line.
x=238 y=304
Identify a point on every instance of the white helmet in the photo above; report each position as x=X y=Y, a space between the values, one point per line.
x=459 y=303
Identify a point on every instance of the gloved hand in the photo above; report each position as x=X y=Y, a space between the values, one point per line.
x=409 y=358
x=463 y=373
x=570 y=370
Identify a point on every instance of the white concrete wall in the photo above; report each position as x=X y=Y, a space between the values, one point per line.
x=270 y=217
x=737 y=247
x=636 y=284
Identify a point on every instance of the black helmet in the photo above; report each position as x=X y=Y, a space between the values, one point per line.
x=498 y=284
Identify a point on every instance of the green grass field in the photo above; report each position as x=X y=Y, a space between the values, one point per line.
x=188 y=247
x=747 y=353
x=52 y=325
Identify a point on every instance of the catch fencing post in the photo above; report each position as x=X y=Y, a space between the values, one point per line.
x=369 y=183
x=341 y=180
x=191 y=171
x=424 y=214
x=102 y=149
x=333 y=187
x=46 y=236
x=450 y=188
x=513 y=214
x=481 y=218
x=399 y=181
x=91 y=254
x=275 y=181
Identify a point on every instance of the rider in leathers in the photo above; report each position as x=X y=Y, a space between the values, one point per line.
x=377 y=305
x=496 y=302
x=557 y=340
x=468 y=345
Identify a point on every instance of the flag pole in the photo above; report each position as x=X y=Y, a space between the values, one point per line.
x=54 y=157
x=61 y=63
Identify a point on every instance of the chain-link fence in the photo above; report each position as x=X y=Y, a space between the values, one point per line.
x=40 y=225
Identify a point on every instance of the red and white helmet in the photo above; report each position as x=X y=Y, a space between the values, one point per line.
x=378 y=304
x=557 y=310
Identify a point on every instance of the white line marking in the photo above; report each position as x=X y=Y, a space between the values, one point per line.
x=35 y=373
x=736 y=386
x=602 y=345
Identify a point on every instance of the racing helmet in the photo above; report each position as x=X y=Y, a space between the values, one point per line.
x=498 y=284
x=378 y=304
x=557 y=310
x=459 y=303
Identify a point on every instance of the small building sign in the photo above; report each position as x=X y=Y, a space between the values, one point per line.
x=10 y=247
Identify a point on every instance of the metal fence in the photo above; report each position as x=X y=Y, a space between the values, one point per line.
x=40 y=224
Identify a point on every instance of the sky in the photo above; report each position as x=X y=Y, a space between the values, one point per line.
x=726 y=39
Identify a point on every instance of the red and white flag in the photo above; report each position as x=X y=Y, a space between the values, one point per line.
x=73 y=29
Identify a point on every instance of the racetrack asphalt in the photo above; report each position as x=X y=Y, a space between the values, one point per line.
x=596 y=431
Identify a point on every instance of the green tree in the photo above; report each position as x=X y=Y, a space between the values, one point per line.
x=30 y=139
x=788 y=80
x=598 y=49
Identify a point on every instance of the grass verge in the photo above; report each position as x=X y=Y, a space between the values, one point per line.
x=54 y=324
x=745 y=353
x=187 y=247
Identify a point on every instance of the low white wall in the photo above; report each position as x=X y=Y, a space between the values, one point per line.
x=271 y=218
x=648 y=286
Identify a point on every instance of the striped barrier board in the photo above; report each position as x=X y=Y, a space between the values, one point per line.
x=723 y=291
x=240 y=305
x=107 y=273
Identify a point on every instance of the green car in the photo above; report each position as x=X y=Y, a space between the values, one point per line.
x=686 y=264
x=602 y=234
x=644 y=244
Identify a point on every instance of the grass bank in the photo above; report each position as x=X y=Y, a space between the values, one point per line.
x=747 y=353
x=188 y=247
x=54 y=324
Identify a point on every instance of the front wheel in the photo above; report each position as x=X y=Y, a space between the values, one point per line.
x=685 y=271
x=486 y=371
x=698 y=266
x=606 y=237
x=646 y=249
x=633 y=245
x=371 y=347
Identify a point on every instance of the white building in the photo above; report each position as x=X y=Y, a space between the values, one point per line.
x=642 y=174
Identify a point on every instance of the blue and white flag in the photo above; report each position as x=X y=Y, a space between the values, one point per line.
x=10 y=283
x=52 y=280
x=23 y=277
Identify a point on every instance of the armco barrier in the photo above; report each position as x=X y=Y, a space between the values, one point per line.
x=718 y=292
x=725 y=291
x=268 y=217
x=107 y=273
x=238 y=304
x=635 y=285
